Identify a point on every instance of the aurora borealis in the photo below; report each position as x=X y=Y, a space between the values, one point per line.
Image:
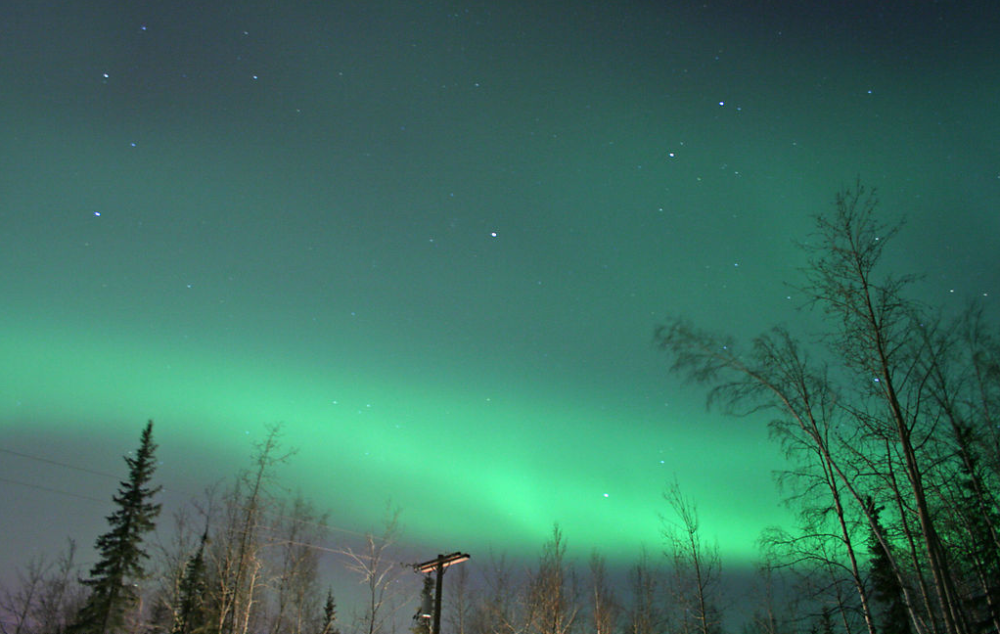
x=433 y=240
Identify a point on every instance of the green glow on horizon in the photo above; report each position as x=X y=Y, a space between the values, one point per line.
x=503 y=479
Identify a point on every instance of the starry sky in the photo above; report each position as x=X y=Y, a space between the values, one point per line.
x=433 y=239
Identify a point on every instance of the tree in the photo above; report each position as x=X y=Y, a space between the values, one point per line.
x=886 y=588
x=376 y=570
x=645 y=613
x=190 y=614
x=173 y=552
x=697 y=567
x=552 y=602
x=459 y=613
x=964 y=384
x=822 y=576
x=114 y=579
x=47 y=597
x=874 y=341
x=238 y=561
x=329 y=624
x=422 y=617
x=604 y=606
x=870 y=420
x=774 y=611
x=498 y=609
x=296 y=585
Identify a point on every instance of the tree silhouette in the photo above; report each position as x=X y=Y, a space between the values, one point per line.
x=876 y=423
x=190 y=616
x=886 y=588
x=113 y=579
x=329 y=615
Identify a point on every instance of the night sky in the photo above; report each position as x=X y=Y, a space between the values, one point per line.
x=433 y=240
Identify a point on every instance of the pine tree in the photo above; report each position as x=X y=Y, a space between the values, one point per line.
x=120 y=565
x=330 y=615
x=886 y=588
x=976 y=512
x=189 y=617
x=422 y=619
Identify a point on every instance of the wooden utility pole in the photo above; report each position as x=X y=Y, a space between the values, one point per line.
x=438 y=565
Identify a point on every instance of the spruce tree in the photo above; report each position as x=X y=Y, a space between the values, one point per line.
x=886 y=589
x=976 y=512
x=190 y=614
x=330 y=615
x=422 y=619
x=120 y=551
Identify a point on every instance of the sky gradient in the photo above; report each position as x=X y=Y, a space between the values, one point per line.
x=433 y=239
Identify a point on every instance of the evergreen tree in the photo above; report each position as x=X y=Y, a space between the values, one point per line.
x=189 y=617
x=329 y=615
x=976 y=512
x=886 y=587
x=422 y=619
x=120 y=565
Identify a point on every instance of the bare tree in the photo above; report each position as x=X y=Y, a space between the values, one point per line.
x=552 y=597
x=645 y=613
x=875 y=341
x=776 y=375
x=377 y=571
x=876 y=434
x=296 y=588
x=20 y=604
x=964 y=382
x=237 y=554
x=881 y=421
x=824 y=582
x=697 y=567
x=47 y=596
x=774 y=611
x=604 y=606
x=498 y=609
x=461 y=602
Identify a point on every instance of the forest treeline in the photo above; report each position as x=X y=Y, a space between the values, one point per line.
x=248 y=560
x=888 y=417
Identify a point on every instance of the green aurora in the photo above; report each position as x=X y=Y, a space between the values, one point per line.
x=433 y=240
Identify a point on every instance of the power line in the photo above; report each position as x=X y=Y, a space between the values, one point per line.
x=325 y=527
x=115 y=477
x=58 y=491
x=58 y=464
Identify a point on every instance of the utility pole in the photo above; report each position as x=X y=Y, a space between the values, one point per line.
x=438 y=565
